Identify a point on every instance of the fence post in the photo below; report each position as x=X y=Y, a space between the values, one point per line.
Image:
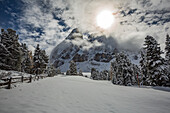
x=9 y=83
x=30 y=79
x=22 y=79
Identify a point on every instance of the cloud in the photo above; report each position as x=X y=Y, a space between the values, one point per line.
x=86 y=44
x=135 y=19
x=42 y=23
x=48 y=22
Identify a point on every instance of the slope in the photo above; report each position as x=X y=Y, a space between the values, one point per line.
x=69 y=94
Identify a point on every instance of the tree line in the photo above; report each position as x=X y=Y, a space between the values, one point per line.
x=17 y=57
x=154 y=70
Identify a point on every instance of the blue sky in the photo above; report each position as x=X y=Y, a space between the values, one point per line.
x=9 y=9
x=48 y=22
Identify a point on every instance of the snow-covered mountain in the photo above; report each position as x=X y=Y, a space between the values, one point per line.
x=88 y=52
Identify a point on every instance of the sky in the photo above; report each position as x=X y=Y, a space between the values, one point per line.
x=48 y=22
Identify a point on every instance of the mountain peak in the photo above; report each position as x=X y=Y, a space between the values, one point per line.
x=75 y=33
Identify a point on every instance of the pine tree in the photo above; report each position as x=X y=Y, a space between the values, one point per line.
x=45 y=59
x=123 y=71
x=5 y=57
x=153 y=63
x=94 y=74
x=103 y=75
x=27 y=64
x=26 y=59
x=167 y=58
x=10 y=42
x=143 y=67
x=24 y=50
x=58 y=71
x=167 y=49
x=137 y=75
x=73 y=68
x=51 y=71
x=40 y=61
x=37 y=60
x=68 y=72
x=80 y=73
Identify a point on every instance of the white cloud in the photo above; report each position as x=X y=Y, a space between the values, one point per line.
x=86 y=44
x=39 y=15
x=129 y=29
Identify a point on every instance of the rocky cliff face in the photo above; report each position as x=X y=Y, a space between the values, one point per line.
x=92 y=52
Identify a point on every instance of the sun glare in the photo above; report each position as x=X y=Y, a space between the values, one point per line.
x=105 y=19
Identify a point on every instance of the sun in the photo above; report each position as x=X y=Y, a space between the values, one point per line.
x=105 y=19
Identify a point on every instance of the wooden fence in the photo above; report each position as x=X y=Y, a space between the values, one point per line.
x=9 y=81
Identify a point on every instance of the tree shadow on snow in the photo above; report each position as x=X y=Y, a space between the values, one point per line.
x=167 y=89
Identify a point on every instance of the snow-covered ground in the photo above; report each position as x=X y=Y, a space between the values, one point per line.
x=15 y=74
x=5 y=74
x=75 y=94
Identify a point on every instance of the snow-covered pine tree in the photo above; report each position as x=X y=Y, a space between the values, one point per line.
x=137 y=75
x=9 y=40
x=73 y=68
x=58 y=71
x=80 y=73
x=94 y=74
x=26 y=59
x=103 y=75
x=167 y=58
x=51 y=71
x=154 y=63
x=143 y=67
x=27 y=64
x=24 y=50
x=93 y=71
x=39 y=61
x=68 y=72
x=45 y=59
x=122 y=70
x=167 y=49
x=5 y=57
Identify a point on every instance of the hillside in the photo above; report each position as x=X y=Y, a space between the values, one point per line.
x=73 y=94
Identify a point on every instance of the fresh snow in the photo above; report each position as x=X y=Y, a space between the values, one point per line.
x=13 y=74
x=75 y=94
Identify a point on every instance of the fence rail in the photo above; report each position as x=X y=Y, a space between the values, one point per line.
x=9 y=81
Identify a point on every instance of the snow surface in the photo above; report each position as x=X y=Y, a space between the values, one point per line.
x=75 y=94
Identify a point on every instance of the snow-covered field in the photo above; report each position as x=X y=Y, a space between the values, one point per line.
x=74 y=94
